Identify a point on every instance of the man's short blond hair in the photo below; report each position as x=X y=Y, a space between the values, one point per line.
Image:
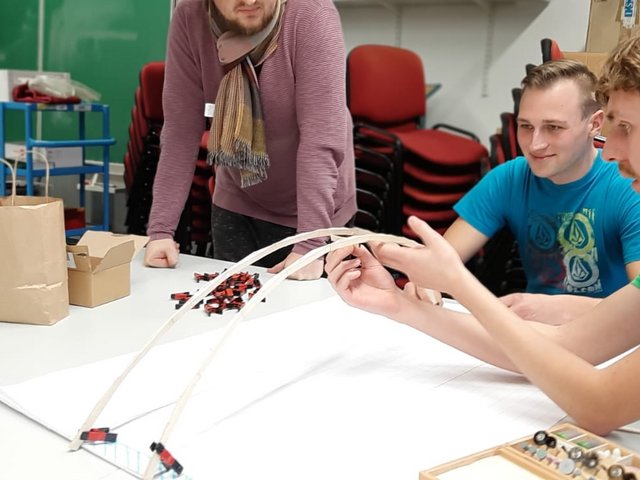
x=621 y=70
x=549 y=73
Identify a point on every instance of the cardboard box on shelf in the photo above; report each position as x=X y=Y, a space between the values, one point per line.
x=99 y=267
x=610 y=22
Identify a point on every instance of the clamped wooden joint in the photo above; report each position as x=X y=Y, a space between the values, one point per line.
x=98 y=435
x=166 y=458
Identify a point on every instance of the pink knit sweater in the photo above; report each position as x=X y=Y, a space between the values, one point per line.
x=310 y=181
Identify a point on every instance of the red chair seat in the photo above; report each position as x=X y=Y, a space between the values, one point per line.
x=425 y=176
x=438 y=147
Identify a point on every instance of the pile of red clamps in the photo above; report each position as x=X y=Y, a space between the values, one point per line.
x=229 y=295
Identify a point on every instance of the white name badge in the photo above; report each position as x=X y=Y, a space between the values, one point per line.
x=209 y=109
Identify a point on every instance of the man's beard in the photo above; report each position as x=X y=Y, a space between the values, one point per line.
x=237 y=27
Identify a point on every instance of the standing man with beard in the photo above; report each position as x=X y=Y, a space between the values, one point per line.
x=269 y=76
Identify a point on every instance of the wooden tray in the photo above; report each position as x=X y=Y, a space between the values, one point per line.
x=562 y=452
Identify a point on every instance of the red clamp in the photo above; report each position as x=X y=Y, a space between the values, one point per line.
x=182 y=302
x=99 y=435
x=205 y=277
x=166 y=458
x=181 y=296
x=213 y=307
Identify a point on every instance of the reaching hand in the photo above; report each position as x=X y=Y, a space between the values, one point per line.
x=162 y=253
x=362 y=281
x=435 y=264
x=310 y=272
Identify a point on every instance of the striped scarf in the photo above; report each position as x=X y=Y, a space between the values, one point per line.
x=237 y=136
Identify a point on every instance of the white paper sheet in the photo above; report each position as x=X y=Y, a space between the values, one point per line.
x=322 y=391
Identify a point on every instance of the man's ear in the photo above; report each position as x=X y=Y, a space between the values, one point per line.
x=596 y=122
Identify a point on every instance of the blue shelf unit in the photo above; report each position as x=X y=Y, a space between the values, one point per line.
x=30 y=173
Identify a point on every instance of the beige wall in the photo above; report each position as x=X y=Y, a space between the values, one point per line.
x=477 y=55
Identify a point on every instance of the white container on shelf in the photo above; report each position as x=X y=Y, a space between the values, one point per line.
x=57 y=157
x=11 y=78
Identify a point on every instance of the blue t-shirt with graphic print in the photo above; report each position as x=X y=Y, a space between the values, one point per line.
x=574 y=238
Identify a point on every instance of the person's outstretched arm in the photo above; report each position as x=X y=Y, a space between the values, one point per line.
x=362 y=282
x=598 y=399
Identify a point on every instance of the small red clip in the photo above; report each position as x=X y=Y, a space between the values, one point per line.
x=166 y=458
x=99 y=435
x=180 y=296
x=210 y=308
x=182 y=302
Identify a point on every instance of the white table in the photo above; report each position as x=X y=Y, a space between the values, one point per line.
x=28 y=451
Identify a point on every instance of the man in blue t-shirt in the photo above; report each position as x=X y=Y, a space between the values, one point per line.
x=576 y=221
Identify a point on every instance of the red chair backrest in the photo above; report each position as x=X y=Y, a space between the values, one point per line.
x=509 y=135
x=385 y=85
x=151 y=84
x=550 y=50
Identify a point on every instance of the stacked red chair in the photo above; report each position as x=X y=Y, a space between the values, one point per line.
x=143 y=147
x=141 y=160
x=200 y=203
x=376 y=176
x=498 y=264
x=428 y=169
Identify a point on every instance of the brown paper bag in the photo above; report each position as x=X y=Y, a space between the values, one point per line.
x=33 y=268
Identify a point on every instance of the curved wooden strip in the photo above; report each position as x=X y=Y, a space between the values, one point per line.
x=199 y=295
x=305 y=260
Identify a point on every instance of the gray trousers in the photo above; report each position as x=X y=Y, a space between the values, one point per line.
x=235 y=236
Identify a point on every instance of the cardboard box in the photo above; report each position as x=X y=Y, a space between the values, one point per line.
x=56 y=157
x=606 y=25
x=100 y=267
x=11 y=78
x=593 y=60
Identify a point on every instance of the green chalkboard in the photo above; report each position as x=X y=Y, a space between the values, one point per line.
x=102 y=44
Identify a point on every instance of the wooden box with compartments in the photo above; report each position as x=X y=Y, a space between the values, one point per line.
x=564 y=451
